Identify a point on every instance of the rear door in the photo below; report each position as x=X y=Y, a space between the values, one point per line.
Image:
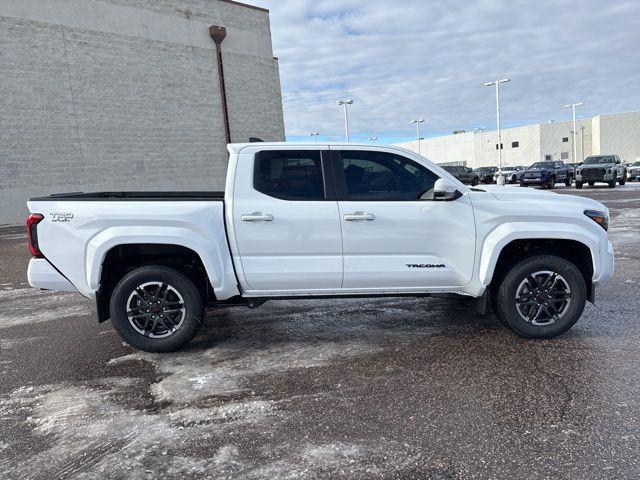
x=395 y=236
x=287 y=232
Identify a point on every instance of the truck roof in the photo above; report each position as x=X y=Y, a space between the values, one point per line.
x=237 y=147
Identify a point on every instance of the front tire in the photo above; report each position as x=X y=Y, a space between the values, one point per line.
x=551 y=183
x=578 y=185
x=541 y=297
x=156 y=309
x=623 y=180
x=612 y=183
x=567 y=181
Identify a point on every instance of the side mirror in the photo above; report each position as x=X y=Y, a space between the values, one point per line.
x=445 y=189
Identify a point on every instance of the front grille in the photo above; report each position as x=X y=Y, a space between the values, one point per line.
x=592 y=173
x=532 y=175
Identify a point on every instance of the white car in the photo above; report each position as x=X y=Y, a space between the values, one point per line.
x=633 y=171
x=511 y=174
x=317 y=221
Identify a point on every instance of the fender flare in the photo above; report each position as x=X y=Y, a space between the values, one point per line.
x=214 y=256
x=506 y=233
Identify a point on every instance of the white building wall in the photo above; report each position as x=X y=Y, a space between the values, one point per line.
x=552 y=142
x=620 y=134
x=616 y=133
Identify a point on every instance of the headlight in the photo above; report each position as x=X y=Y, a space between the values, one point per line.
x=601 y=218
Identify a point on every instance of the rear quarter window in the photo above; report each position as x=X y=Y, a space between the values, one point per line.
x=289 y=174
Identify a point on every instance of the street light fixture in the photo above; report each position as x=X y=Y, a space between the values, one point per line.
x=344 y=103
x=497 y=83
x=481 y=130
x=418 y=121
x=573 y=106
x=373 y=139
x=314 y=135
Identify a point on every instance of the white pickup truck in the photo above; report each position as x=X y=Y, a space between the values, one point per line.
x=310 y=221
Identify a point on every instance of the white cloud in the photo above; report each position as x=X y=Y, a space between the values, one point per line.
x=398 y=60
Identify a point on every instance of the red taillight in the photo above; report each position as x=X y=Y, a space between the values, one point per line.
x=32 y=233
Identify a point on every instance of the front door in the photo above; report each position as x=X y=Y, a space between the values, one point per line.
x=395 y=235
x=288 y=235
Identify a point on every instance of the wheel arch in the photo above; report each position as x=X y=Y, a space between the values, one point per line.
x=503 y=248
x=142 y=244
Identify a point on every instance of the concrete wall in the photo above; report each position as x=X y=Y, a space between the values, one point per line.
x=616 y=133
x=115 y=94
x=619 y=133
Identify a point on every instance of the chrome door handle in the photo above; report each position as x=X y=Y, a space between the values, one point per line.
x=352 y=217
x=256 y=217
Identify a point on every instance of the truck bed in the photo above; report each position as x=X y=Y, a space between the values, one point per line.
x=120 y=196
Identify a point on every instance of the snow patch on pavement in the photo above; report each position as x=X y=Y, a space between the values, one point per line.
x=22 y=306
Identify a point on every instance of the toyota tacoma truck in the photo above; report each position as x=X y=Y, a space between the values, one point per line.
x=317 y=221
x=601 y=168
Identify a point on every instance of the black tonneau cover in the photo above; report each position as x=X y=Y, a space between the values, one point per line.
x=149 y=196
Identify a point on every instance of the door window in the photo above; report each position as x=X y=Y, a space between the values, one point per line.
x=385 y=176
x=289 y=174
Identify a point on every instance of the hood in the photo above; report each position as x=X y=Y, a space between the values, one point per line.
x=537 y=169
x=597 y=165
x=544 y=198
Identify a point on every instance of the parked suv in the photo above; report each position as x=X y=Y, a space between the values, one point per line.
x=485 y=174
x=601 y=168
x=511 y=174
x=633 y=172
x=465 y=174
x=547 y=174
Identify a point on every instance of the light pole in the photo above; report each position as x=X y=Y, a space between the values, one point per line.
x=497 y=83
x=581 y=143
x=481 y=130
x=373 y=139
x=314 y=135
x=344 y=103
x=418 y=121
x=573 y=106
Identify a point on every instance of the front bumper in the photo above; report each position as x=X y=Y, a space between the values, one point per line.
x=41 y=274
x=607 y=177
x=534 y=181
x=606 y=265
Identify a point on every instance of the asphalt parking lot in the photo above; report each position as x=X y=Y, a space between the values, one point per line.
x=385 y=388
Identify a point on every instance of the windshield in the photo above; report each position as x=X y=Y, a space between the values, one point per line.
x=542 y=165
x=596 y=160
x=486 y=169
x=637 y=164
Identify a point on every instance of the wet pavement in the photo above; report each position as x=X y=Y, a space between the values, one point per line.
x=384 y=388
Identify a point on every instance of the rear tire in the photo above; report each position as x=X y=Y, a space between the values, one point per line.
x=156 y=309
x=567 y=181
x=591 y=184
x=535 y=309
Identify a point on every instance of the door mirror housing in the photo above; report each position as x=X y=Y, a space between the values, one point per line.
x=444 y=189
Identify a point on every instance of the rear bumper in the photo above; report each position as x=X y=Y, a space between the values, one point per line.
x=41 y=274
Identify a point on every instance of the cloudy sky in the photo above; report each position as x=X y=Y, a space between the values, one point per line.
x=400 y=60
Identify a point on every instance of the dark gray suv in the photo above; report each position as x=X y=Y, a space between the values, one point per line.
x=464 y=174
